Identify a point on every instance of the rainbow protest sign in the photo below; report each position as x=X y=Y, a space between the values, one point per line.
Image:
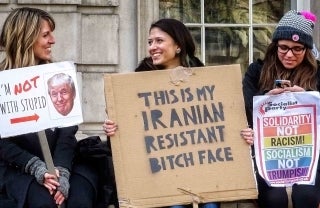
x=286 y=127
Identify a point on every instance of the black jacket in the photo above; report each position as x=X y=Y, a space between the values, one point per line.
x=16 y=151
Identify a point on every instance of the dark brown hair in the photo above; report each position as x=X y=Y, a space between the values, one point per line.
x=304 y=75
x=181 y=35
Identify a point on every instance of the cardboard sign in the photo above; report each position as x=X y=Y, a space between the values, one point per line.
x=38 y=97
x=286 y=128
x=179 y=136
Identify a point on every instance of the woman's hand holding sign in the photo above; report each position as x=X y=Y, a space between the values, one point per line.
x=247 y=135
x=109 y=127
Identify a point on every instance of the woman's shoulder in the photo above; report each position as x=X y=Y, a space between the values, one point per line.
x=318 y=75
x=255 y=68
x=256 y=64
x=318 y=69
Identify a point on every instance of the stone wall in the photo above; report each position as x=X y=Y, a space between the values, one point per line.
x=99 y=36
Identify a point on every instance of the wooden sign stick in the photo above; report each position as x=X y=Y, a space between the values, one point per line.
x=47 y=154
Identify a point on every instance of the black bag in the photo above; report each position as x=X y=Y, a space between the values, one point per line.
x=92 y=150
x=92 y=147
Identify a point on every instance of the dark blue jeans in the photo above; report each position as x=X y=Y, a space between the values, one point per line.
x=206 y=205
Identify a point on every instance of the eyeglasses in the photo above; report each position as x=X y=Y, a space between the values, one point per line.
x=296 y=50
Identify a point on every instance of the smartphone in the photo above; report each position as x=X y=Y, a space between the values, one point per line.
x=280 y=83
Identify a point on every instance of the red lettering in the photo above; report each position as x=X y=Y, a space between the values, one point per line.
x=26 y=86
x=34 y=79
x=17 y=89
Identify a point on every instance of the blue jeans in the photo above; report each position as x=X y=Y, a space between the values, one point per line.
x=206 y=205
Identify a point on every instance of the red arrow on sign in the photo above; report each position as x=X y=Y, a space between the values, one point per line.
x=34 y=117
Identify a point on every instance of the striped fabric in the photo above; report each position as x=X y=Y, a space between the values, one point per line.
x=294 y=26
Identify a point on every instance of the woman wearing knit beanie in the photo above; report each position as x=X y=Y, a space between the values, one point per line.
x=288 y=57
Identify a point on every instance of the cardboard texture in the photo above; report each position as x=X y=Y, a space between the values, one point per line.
x=179 y=140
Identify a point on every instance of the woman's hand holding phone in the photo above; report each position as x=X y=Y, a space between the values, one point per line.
x=281 y=86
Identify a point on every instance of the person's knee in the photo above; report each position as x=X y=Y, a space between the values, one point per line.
x=81 y=193
x=42 y=204
x=276 y=197
x=211 y=205
x=39 y=197
x=79 y=203
x=177 y=206
x=305 y=196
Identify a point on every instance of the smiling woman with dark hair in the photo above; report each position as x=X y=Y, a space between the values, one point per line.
x=179 y=33
x=170 y=45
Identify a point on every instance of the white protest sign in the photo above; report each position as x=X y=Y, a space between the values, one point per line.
x=286 y=128
x=26 y=104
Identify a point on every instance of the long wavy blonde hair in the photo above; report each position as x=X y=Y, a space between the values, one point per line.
x=19 y=33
